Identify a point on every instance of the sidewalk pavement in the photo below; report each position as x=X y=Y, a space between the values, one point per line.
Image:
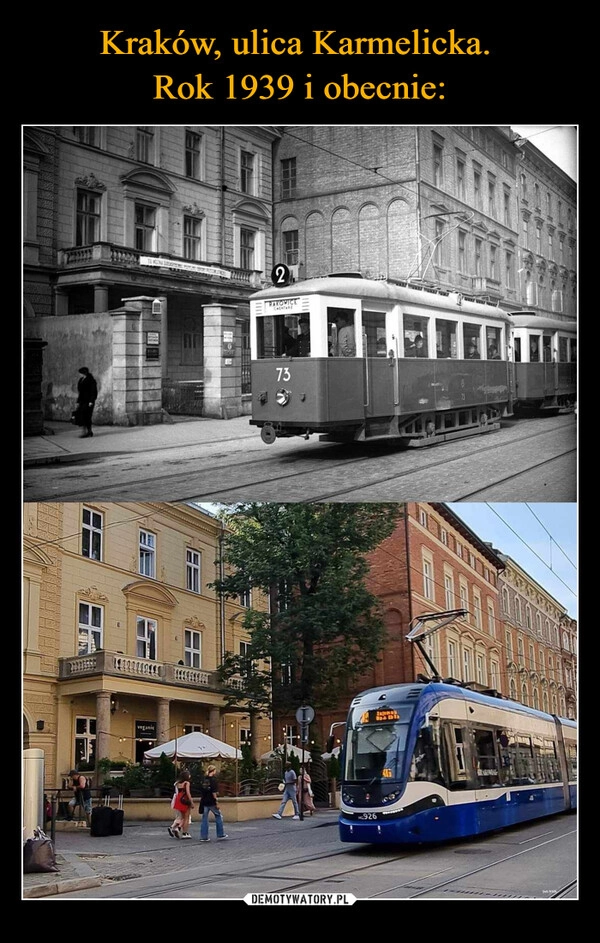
x=144 y=849
x=62 y=442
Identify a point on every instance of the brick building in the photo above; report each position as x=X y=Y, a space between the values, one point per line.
x=457 y=208
x=122 y=633
x=434 y=562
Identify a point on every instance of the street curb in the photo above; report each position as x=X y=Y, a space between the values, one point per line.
x=71 y=457
x=61 y=887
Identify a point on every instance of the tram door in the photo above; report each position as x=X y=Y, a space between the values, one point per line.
x=378 y=368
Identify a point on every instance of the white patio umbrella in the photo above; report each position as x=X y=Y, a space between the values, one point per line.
x=334 y=752
x=277 y=753
x=194 y=746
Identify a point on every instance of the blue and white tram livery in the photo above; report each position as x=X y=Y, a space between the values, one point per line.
x=415 y=364
x=545 y=363
x=435 y=762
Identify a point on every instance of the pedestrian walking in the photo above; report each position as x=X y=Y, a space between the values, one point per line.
x=209 y=802
x=289 y=792
x=87 y=394
x=307 y=793
x=182 y=803
x=174 y=829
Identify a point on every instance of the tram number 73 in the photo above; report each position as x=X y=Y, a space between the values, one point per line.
x=283 y=373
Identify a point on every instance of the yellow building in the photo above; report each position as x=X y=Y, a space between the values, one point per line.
x=123 y=634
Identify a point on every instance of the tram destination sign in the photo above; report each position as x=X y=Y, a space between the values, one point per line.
x=380 y=715
x=284 y=306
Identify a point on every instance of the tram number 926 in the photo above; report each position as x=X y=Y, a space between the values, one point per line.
x=367 y=815
x=283 y=374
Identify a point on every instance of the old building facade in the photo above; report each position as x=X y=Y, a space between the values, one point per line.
x=457 y=208
x=123 y=634
x=434 y=562
x=179 y=216
x=539 y=644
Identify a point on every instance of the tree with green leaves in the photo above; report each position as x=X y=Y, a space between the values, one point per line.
x=323 y=627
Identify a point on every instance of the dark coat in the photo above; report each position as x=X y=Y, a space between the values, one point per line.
x=87 y=390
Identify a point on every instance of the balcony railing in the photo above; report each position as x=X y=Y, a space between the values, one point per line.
x=116 y=664
x=110 y=255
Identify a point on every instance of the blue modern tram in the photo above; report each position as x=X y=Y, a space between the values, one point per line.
x=431 y=762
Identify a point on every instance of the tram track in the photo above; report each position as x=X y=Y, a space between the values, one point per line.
x=425 y=884
x=268 y=476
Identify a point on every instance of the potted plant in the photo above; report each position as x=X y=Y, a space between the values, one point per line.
x=103 y=777
x=136 y=780
x=162 y=776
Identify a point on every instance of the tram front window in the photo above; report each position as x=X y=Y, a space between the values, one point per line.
x=279 y=336
x=375 y=751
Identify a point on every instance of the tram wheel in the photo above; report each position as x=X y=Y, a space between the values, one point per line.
x=268 y=434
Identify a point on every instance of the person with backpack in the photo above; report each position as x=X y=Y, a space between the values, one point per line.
x=82 y=796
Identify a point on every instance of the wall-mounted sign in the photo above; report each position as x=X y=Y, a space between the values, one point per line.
x=152 y=353
x=146 y=729
x=158 y=262
x=152 y=337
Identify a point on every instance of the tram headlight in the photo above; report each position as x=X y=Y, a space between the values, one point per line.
x=391 y=797
x=282 y=397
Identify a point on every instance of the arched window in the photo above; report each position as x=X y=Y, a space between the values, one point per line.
x=518 y=614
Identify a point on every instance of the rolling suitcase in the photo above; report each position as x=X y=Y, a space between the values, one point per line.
x=101 y=822
x=116 y=818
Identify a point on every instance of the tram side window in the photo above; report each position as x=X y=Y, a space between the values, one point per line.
x=525 y=766
x=493 y=343
x=374 y=330
x=534 y=348
x=551 y=764
x=547 y=349
x=341 y=331
x=572 y=761
x=453 y=739
x=471 y=341
x=445 y=339
x=539 y=757
x=517 y=350
x=416 y=343
x=573 y=348
x=563 y=350
x=486 y=758
x=507 y=754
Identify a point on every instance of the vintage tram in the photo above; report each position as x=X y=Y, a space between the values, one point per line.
x=358 y=359
x=544 y=351
x=434 y=761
